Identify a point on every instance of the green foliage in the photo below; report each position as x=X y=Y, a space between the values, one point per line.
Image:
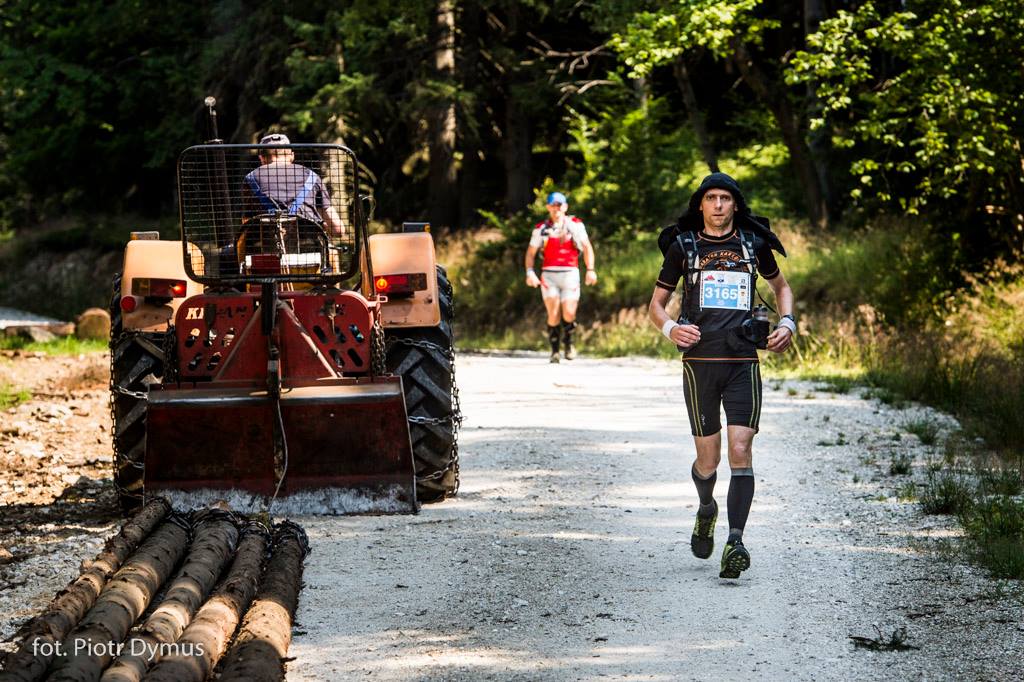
x=945 y=493
x=64 y=345
x=11 y=396
x=926 y=429
x=657 y=37
x=926 y=99
x=637 y=168
x=899 y=268
x=68 y=124
x=900 y=464
x=996 y=528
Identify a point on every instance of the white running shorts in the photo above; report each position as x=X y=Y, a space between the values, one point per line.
x=561 y=284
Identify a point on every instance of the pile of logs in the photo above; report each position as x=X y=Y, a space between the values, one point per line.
x=175 y=597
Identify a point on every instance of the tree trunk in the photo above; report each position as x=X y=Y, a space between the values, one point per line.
x=443 y=176
x=517 y=148
x=468 y=136
x=818 y=140
x=696 y=116
x=517 y=141
x=774 y=97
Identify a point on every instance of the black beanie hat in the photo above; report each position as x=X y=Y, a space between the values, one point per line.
x=718 y=181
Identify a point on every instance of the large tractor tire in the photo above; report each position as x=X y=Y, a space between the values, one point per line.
x=425 y=359
x=136 y=362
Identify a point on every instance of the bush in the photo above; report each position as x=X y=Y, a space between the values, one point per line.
x=945 y=493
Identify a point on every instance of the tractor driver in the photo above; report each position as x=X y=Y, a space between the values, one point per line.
x=280 y=184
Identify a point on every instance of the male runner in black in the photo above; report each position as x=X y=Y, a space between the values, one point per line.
x=720 y=365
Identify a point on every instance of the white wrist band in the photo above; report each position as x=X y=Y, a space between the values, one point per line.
x=788 y=323
x=667 y=328
x=530 y=271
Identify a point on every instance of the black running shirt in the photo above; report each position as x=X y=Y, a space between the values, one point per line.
x=714 y=253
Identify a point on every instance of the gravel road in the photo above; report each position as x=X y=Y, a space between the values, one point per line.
x=566 y=555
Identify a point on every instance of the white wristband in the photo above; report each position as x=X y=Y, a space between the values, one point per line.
x=667 y=328
x=788 y=323
x=530 y=271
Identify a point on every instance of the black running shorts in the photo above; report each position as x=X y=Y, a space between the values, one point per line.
x=709 y=385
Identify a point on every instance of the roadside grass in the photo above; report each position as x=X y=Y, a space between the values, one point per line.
x=926 y=430
x=63 y=345
x=12 y=396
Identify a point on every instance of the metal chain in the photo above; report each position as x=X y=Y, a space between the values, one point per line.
x=115 y=390
x=168 y=345
x=378 y=359
x=454 y=418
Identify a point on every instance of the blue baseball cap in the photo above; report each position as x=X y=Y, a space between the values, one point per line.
x=557 y=198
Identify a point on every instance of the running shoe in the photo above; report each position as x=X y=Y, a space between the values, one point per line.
x=735 y=560
x=554 y=357
x=702 y=542
x=570 y=351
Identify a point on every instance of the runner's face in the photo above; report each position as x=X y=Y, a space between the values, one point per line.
x=718 y=208
x=557 y=211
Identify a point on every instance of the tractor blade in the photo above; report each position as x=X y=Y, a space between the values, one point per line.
x=348 y=448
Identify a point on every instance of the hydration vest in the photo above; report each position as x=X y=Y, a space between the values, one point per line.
x=688 y=243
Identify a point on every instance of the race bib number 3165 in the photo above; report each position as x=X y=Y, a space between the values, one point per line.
x=725 y=290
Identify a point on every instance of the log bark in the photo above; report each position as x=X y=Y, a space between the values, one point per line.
x=27 y=664
x=91 y=645
x=260 y=649
x=194 y=655
x=216 y=537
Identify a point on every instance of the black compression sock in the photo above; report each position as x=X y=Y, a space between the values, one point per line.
x=567 y=329
x=705 y=488
x=741 y=494
x=553 y=334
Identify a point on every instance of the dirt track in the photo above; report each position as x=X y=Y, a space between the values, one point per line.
x=566 y=555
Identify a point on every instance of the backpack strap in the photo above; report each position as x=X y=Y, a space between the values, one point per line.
x=688 y=243
x=747 y=246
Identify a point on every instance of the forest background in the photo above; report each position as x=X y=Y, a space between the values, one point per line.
x=882 y=137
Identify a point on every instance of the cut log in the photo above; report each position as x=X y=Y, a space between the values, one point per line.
x=216 y=537
x=194 y=655
x=41 y=634
x=260 y=649
x=92 y=644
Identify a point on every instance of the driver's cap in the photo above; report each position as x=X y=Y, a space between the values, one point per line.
x=275 y=138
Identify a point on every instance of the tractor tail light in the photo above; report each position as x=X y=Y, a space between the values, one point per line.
x=159 y=288
x=400 y=285
x=129 y=303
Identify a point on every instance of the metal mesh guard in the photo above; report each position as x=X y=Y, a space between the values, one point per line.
x=268 y=212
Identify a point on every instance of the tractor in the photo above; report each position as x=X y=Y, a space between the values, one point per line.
x=278 y=358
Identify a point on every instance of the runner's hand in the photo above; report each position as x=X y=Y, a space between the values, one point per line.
x=590 y=278
x=686 y=335
x=779 y=340
x=532 y=280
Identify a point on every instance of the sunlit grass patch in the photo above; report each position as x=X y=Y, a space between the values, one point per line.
x=64 y=345
x=11 y=396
